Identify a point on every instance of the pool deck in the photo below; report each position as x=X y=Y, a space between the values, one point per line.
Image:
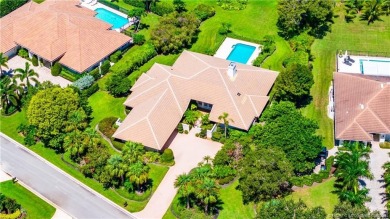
x=93 y=7
x=374 y=68
x=227 y=46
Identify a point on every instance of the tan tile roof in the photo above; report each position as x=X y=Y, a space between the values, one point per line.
x=60 y=28
x=193 y=77
x=362 y=106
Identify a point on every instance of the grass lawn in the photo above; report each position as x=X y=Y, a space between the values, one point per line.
x=318 y=195
x=345 y=36
x=34 y=206
x=233 y=206
x=9 y=124
x=104 y=105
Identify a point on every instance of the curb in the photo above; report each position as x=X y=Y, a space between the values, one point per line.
x=69 y=176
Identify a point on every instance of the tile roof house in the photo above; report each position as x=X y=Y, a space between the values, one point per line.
x=160 y=97
x=60 y=30
x=362 y=107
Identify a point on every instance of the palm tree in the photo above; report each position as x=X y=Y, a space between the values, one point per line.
x=73 y=142
x=138 y=174
x=356 y=199
x=207 y=159
x=3 y=62
x=207 y=192
x=8 y=91
x=133 y=151
x=225 y=119
x=372 y=10
x=116 y=167
x=92 y=136
x=76 y=120
x=27 y=74
x=185 y=184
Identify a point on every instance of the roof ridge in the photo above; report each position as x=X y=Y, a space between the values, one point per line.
x=139 y=84
x=363 y=130
x=379 y=119
x=253 y=105
x=198 y=58
x=234 y=103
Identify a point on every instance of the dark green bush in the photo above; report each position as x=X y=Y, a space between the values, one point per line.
x=162 y=8
x=203 y=12
x=385 y=145
x=167 y=156
x=70 y=76
x=268 y=49
x=225 y=180
x=180 y=128
x=135 y=3
x=105 y=67
x=134 y=58
x=106 y=126
x=23 y=53
x=95 y=73
x=34 y=60
x=116 y=56
x=56 y=69
x=118 y=85
x=203 y=133
x=7 y=6
x=117 y=144
x=91 y=90
x=138 y=39
x=216 y=136
x=301 y=42
x=299 y=57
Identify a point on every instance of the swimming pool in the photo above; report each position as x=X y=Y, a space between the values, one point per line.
x=117 y=21
x=241 y=53
x=375 y=67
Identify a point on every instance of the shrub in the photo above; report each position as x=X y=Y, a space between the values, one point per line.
x=56 y=69
x=385 y=145
x=95 y=73
x=180 y=128
x=203 y=133
x=70 y=76
x=167 y=156
x=186 y=132
x=117 y=144
x=14 y=215
x=299 y=57
x=134 y=58
x=138 y=39
x=23 y=53
x=118 y=85
x=84 y=82
x=301 y=42
x=225 y=180
x=106 y=126
x=268 y=48
x=216 y=136
x=135 y=3
x=7 y=6
x=34 y=60
x=232 y=4
x=151 y=157
x=91 y=90
x=115 y=56
x=203 y=12
x=162 y=8
x=105 y=67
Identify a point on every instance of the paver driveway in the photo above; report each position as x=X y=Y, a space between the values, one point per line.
x=188 y=151
x=378 y=157
x=43 y=72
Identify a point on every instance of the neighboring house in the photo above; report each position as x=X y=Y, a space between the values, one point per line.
x=160 y=97
x=362 y=107
x=60 y=31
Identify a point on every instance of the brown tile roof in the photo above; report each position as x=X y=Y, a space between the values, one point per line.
x=160 y=97
x=60 y=28
x=362 y=106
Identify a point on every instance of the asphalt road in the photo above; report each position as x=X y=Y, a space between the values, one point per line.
x=73 y=198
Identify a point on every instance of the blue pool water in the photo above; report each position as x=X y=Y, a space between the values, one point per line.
x=111 y=18
x=375 y=67
x=241 y=53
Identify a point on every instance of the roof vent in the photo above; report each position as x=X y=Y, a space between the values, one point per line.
x=361 y=106
x=238 y=94
x=232 y=70
x=382 y=85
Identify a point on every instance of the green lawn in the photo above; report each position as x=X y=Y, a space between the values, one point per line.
x=104 y=105
x=34 y=206
x=318 y=195
x=233 y=206
x=345 y=36
x=9 y=124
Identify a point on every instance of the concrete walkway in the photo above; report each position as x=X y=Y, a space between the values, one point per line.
x=43 y=72
x=188 y=151
x=377 y=192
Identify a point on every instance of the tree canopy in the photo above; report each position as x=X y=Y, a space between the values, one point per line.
x=289 y=209
x=285 y=127
x=293 y=84
x=264 y=174
x=50 y=111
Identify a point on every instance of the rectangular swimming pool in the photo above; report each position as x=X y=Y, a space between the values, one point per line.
x=241 y=53
x=375 y=67
x=115 y=20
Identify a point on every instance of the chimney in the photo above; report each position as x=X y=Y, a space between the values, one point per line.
x=232 y=70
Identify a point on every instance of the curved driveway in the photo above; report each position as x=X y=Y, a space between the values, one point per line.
x=70 y=195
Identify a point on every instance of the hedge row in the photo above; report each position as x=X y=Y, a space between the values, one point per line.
x=133 y=59
x=69 y=75
x=268 y=49
x=91 y=90
x=162 y=8
x=7 y=6
x=385 y=145
x=308 y=180
x=114 y=6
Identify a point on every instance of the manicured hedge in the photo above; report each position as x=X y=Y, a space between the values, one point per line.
x=268 y=49
x=162 y=8
x=167 y=156
x=34 y=60
x=117 y=144
x=115 y=56
x=134 y=58
x=105 y=67
x=91 y=90
x=385 y=145
x=56 y=69
x=70 y=76
x=84 y=82
x=7 y=6
x=135 y=3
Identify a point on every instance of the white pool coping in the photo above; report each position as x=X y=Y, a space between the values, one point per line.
x=227 y=46
x=370 y=68
x=99 y=5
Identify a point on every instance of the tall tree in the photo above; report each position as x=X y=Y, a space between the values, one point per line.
x=345 y=210
x=180 y=6
x=73 y=142
x=372 y=10
x=137 y=13
x=264 y=174
x=289 y=209
x=132 y=152
x=352 y=8
x=185 y=184
x=116 y=167
x=3 y=62
x=27 y=74
x=207 y=191
x=8 y=93
x=294 y=84
x=285 y=127
x=225 y=120
x=138 y=174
